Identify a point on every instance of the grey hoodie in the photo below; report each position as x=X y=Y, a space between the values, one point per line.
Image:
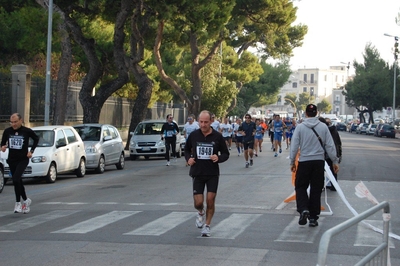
x=306 y=140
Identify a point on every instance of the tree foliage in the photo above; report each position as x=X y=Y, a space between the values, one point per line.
x=370 y=90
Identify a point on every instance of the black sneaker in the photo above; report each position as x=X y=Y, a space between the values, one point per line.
x=303 y=217
x=312 y=223
x=251 y=162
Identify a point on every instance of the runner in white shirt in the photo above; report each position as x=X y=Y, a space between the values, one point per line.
x=214 y=123
x=190 y=126
x=238 y=137
x=226 y=130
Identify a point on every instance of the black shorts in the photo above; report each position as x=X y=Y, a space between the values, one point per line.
x=248 y=145
x=199 y=183
x=227 y=138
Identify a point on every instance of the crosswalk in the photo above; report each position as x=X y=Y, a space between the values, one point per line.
x=231 y=227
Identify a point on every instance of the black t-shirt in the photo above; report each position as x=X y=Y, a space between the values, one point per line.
x=248 y=128
x=17 y=141
x=169 y=130
x=201 y=147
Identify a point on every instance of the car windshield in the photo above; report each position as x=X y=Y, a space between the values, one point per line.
x=46 y=138
x=149 y=129
x=89 y=133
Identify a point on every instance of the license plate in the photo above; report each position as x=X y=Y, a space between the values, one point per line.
x=146 y=149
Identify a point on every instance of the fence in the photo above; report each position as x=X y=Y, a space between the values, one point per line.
x=379 y=256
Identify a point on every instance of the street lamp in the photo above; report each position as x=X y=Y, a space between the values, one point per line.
x=395 y=53
x=348 y=68
x=294 y=105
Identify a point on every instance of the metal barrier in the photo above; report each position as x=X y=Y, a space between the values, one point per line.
x=378 y=255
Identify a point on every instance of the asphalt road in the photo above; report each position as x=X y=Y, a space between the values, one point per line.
x=143 y=215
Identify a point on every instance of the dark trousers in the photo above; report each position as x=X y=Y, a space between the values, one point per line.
x=170 y=142
x=309 y=173
x=17 y=168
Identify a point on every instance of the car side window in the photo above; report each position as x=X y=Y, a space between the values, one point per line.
x=70 y=136
x=60 y=138
x=113 y=132
x=106 y=132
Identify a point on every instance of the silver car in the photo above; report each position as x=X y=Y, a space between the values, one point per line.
x=103 y=146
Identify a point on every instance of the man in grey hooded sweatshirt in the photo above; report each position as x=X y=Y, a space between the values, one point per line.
x=310 y=169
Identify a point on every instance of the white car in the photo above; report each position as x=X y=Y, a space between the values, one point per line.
x=103 y=146
x=60 y=150
x=146 y=140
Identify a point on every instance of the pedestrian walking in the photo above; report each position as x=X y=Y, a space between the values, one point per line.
x=169 y=131
x=313 y=139
x=205 y=149
x=16 y=139
x=338 y=144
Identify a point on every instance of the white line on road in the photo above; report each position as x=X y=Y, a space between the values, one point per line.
x=96 y=222
x=297 y=233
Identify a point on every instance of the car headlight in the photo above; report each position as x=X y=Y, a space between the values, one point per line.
x=91 y=149
x=39 y=159
x=160 y=143
x=132 y=143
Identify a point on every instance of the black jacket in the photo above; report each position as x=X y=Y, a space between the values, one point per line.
x=198 y=146
x=337 y=140
x=17 y=141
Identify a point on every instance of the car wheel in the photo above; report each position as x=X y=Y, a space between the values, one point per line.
x=133 y=157
x=2 y=180
x=52 y=173
x=101 y=166
x=81 y=170
x=121 y=164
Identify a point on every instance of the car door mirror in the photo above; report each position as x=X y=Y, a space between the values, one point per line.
x=107 y=138
x=61 y=144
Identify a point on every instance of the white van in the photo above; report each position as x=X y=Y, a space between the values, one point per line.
x=146 y=140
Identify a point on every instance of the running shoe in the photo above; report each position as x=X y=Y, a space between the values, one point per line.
x=276 y=155
x=251 y=162
x=25 y=205
x=280 y=150
x=247 y=164
x=18 y=207
x=168 y=163
x=303 y=217
x=260 y=150
x=206 y=232
x=255 y=154
x=312 y=223
x=200 y=218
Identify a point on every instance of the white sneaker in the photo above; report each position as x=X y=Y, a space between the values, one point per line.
x=200 y=218
x=168 y=163
x=18 y=207
x=25 y=205
x=206 y=231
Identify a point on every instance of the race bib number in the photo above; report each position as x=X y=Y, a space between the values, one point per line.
x=204 y=151
x=170 y=133
x=16 y=142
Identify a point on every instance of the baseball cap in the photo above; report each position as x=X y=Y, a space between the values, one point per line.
x=311 y=108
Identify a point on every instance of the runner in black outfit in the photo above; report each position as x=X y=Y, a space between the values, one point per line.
x=16 y=139
x=204 y=150
x=168 y=133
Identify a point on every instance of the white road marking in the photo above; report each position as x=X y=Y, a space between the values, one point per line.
x=96 y=222
x=299 y=233
x=163 y=224
x=35 y=220
x=233 y=226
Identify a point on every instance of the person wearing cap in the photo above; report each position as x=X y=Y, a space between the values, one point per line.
x=311 y=164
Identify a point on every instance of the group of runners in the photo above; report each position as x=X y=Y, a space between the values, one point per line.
x=248 y=135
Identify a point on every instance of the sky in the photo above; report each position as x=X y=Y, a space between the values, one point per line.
x=339 y=30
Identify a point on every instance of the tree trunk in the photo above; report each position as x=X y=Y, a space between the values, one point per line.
x=63 y=75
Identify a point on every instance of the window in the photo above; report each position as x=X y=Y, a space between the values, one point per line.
x=305 y=77
x=312 y=91
x=70 y=136
x=312 y=78
x=325 y=78
x=294 y=85
x=304 y=89
x=60 y=138
x=113 y=132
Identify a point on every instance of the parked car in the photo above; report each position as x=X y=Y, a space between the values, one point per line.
x=2 y=179
x=387 y=131
x=60 y=150
x=146 y=140
x=341 y=126
x=378 y=127
x=371 y=129
x=362 y=128
x=353 y=127
x=183 y=140
x=103 y=146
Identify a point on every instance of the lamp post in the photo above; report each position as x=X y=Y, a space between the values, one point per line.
x=294 y=105
x=395 y=53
